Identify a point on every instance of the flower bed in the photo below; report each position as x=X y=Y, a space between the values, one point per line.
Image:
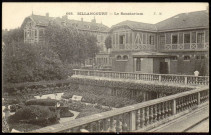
x=105 y=100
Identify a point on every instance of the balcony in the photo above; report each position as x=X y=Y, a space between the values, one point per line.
x=162 y=78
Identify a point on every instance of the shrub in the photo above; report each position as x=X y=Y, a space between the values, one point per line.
x=14 y=108
x=77 y=106
x=42 y=102
x=64 y=112
x=33 y=114
x=13 y=101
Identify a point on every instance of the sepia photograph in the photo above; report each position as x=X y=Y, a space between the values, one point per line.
x=105 y=67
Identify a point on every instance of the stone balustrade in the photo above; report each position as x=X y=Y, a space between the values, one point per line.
x=172 y=78
x=140 y=116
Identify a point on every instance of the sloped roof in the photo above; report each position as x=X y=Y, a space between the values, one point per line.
x=196 y=19
x=184 y=21
x=41 y=20
x=44 y=21
x=136 y=25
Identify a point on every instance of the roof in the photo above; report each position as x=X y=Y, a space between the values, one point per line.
x=41 y=20
x=150 y=54
x=82 y=25
x=136 y=25
x=194 y=20
x=184 y=21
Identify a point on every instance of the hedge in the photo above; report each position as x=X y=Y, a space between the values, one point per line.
x=42 y=102
x=77 y=106
x=34 y=114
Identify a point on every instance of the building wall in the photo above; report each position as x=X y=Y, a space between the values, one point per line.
x=133 y=40
x=193 y=45
x=122 y=65
x=189 y=66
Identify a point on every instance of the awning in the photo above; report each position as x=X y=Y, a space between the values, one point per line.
x=151 y=55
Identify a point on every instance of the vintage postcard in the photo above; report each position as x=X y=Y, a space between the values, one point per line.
x=105 y=67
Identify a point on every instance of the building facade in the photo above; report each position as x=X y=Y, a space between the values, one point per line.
x=177 y=45
x=34 y=30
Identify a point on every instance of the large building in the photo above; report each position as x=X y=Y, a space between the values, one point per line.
x=34 y=30
x=177 y=45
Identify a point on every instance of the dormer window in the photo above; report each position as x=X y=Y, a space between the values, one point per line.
x=64 y=23
x=87 y=26
x=75 y=25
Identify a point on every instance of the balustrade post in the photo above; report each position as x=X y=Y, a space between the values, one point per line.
x=112 y=124
x=174 y=111
x=198 y=98
x=75 y=72
x=186 y=80
x=118 y=127
x=159 y=78
x=124 y=122
x=105 y=125
x=132 y=120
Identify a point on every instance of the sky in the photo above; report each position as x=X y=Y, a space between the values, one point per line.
x=13 y=14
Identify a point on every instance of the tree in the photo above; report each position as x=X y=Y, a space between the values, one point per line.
x=70 y=44
x=24 y=62
x=108 y=42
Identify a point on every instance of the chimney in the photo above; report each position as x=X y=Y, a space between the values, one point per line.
x=47 y=14
x=82 y=19
x=207 y=9
x=94 y=20
x=64 y=17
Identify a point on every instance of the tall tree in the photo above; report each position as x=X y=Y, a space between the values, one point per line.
x=108 y=42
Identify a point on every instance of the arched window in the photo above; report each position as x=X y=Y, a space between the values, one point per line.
x=125 y=57
x=118 y=57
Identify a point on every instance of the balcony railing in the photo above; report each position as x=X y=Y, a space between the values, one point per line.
x=142 y=116
x=171 y=78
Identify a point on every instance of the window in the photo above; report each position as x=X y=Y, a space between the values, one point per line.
x=138 y=64
x=162 y=40
x=125 y=57
x=174 y=39
x=86 y=26
x=200 y=37
x=186 y=57
x=151 y=40
x=174 y=58
x=202 y=57
x=118 y=57
x=122 y=39
x=35 y=33
x=197 y=57
x=186 y=38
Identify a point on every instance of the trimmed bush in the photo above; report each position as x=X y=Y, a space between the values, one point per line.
x=42 y=102
x=77 y=106
x=64 y=112
x=34 y=114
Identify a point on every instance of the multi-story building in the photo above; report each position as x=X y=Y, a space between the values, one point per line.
x=34 y=29
x=177 y=45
